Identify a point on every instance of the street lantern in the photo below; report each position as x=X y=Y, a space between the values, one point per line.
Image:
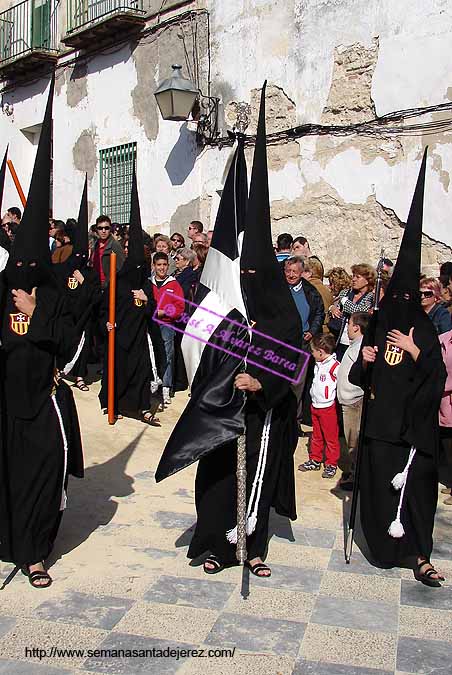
x=176 y=96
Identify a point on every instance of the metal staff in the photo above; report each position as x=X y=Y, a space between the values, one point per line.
x=366 y=397
x=241 y=551
x=111 y=340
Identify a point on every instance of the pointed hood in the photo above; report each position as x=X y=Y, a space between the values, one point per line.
x=267 y=296
x=395 y=373
x=31 y=242
x=81 y=235
x=257 y=249
x=233 y=204
x=136 y=243
x=407 y=269
x=2 y=176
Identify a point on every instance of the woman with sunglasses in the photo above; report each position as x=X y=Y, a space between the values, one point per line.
x=430 y=292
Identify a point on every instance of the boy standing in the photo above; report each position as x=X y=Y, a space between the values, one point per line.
x=167 y=294
x=349 y=395
x=325 y=427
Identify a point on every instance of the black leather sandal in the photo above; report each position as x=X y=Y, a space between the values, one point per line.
x=37 y=575
x=217 y=565
x=258 y=568
x=148 y=417
x=426 y=577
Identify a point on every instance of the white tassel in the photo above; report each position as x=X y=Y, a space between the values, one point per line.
x=251 y=523
x=251 y=517
x=399 y=481
x=156 y=381
x=396 y=529
x=68 y=367
x=63 y=501
x=231 y=535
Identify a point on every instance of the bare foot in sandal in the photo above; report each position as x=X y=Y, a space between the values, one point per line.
x=81 y=384
x=258 y=568
x=37 y=575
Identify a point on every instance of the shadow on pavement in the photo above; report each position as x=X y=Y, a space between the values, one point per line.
x=90 y=503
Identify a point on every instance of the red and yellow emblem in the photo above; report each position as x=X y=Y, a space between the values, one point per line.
x=138 y=302
x=19 y=323
x=72 y=283
x=393 y=355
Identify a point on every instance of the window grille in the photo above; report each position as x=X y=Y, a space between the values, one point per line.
x=116 y=169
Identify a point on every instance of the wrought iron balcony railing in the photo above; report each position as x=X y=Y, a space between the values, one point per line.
x=26 y=28
x=85 y=13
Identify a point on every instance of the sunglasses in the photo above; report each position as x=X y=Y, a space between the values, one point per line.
x=426 y=294
x=178 y=258
x=176 y=239
x=102 y=227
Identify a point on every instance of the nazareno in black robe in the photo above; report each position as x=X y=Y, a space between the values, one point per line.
x=40 y=432
x=83 y=301
x=216 y=482
x=402 y=413
x=139 y=351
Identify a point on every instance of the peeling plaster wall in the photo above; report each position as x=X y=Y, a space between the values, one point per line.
x=342 y=62
x=326 y=61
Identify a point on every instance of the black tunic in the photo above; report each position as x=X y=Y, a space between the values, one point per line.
x=40 y=432
x=133 y=366
x=402 y=413
x=216 y=485
x=83 y=301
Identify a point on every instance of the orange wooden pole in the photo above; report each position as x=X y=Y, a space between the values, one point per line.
x=16 y=180
x=111 y=340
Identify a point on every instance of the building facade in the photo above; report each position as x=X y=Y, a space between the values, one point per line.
x=336 y=70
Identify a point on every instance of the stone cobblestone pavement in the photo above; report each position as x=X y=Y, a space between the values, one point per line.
x=122 y=581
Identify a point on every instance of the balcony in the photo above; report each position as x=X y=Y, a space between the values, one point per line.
x=102 y=20
x=28 y=37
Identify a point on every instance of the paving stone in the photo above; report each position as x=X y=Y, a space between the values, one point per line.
x=426 y=624
x=169 y=520
x=314 y=537
x=358 y=565
x=417 y=594
x=157 y=553
x=275 y=603
x=424 y=656
x=359 y=614
x=11 y=667
x=296 y=578
x=6 y=623
x=360 y=586
x=144 y=475
x=349 y=647
x=126 y=581
x=304 y=667
x=282 y=528
x=294 y=555
x=182 y=624
x=135 y=665
x=86 y=610
x=48 y=635
x=258 y=635
x=241 y=663
x=189 y=592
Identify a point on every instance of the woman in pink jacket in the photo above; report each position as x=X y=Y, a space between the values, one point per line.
x=445 y=418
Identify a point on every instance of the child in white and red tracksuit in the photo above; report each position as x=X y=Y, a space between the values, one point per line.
x=325 y=426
